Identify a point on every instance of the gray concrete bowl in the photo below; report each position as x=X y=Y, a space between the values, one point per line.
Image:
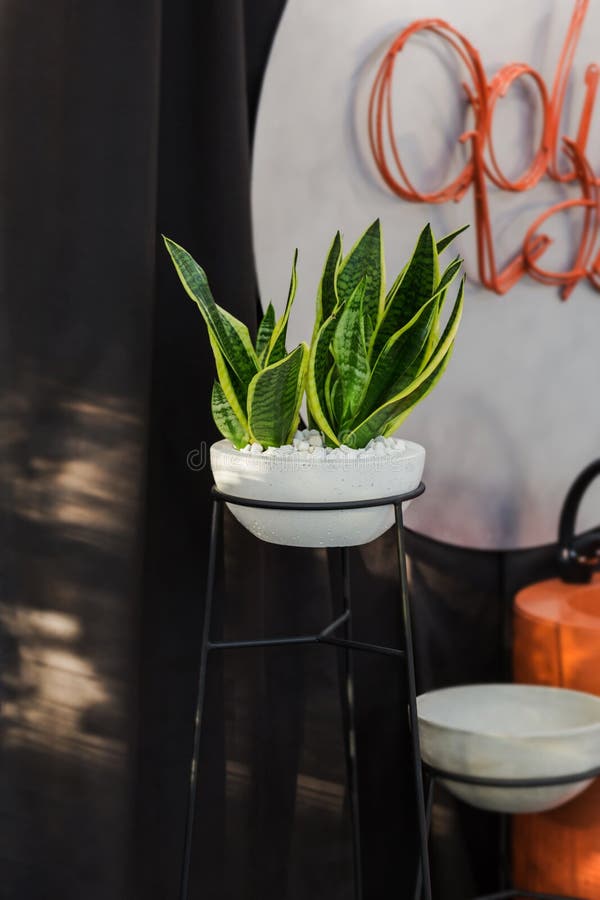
x=511 y=731
x=292 y=479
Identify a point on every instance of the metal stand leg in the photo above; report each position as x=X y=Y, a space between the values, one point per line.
x=348 y=710
x=430 y=782
x=204 y=650
x=504 y=878
x=412 y=705
x=346 y=645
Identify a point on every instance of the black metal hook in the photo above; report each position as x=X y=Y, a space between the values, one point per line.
x=578 y=555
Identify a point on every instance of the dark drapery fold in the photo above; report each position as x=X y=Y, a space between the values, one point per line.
x=121 y=121
x=78 y=104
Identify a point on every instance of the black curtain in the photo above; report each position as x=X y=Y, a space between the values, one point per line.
x=122 y=120
x=79 y=113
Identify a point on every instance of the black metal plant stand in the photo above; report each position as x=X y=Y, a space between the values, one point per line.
x=578 y=557
x=337 y=634
x=434 y=775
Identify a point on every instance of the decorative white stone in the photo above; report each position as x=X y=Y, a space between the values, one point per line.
x=511 y=731
x=318 y=475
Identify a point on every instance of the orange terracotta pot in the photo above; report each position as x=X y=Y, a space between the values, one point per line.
x=557 y=642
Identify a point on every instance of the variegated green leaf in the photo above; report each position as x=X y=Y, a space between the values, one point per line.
x=235 y=392
x=365 y=260
x=448 y=276
x=274 y=398
x=225 y=419
x=409 y=402
x=327 y=298
x=277 y=342
x=394 y=288
x=330 y=381
x=368 y=330
x=336 y=403
x=378 y=421
x=229 y=336
x=400 y=360
x=415 y=288
x=265 y=330
x=388 y=418
x=319 y=365
x=446 y=280
x=443 y=242
x=242 y=332
x=350 y=352
x=397 y=412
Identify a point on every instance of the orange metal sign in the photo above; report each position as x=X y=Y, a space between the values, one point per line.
x=482 y=165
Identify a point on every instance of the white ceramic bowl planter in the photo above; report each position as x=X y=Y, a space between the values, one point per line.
x=511 y=731
x=301 y=475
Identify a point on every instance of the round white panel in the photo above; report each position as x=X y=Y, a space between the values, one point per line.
x=516 y=416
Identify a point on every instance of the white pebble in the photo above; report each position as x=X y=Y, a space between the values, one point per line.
x=309 y=443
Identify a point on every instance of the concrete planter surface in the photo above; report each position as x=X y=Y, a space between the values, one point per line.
x=300 y=478
x=511 y=731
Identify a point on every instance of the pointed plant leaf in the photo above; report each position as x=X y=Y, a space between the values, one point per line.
x=277 y=342
x=225 y=419
x=443 y=242
x=378 y=421
x=394 y=288
x=235 y=392
x=368 y=327
x=241 y=330
x=386 y=420
x=415 y=289
x=400 y=360
x=265 y=330
x=365 y=260
x=411 y=400
x=330 y=382
x=319 y=365
x=274 y=398
x=446 y=280
x=448 y=276
x=327 y=297
x=311 y=422
x=336 y=401
x=408 y=351
x=398 y=411
x=350 y=351
x=229 y=336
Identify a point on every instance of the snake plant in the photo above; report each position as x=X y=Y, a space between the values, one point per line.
x=260 y=385
x=373 y=355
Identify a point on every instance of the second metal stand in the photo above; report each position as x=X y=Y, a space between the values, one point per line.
x=434 y=776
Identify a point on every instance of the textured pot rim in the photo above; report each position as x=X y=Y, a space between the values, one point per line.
x=524 y=736
x=293 y=461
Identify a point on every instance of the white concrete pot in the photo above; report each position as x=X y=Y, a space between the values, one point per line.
x=511 y=731
x=301 y=478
